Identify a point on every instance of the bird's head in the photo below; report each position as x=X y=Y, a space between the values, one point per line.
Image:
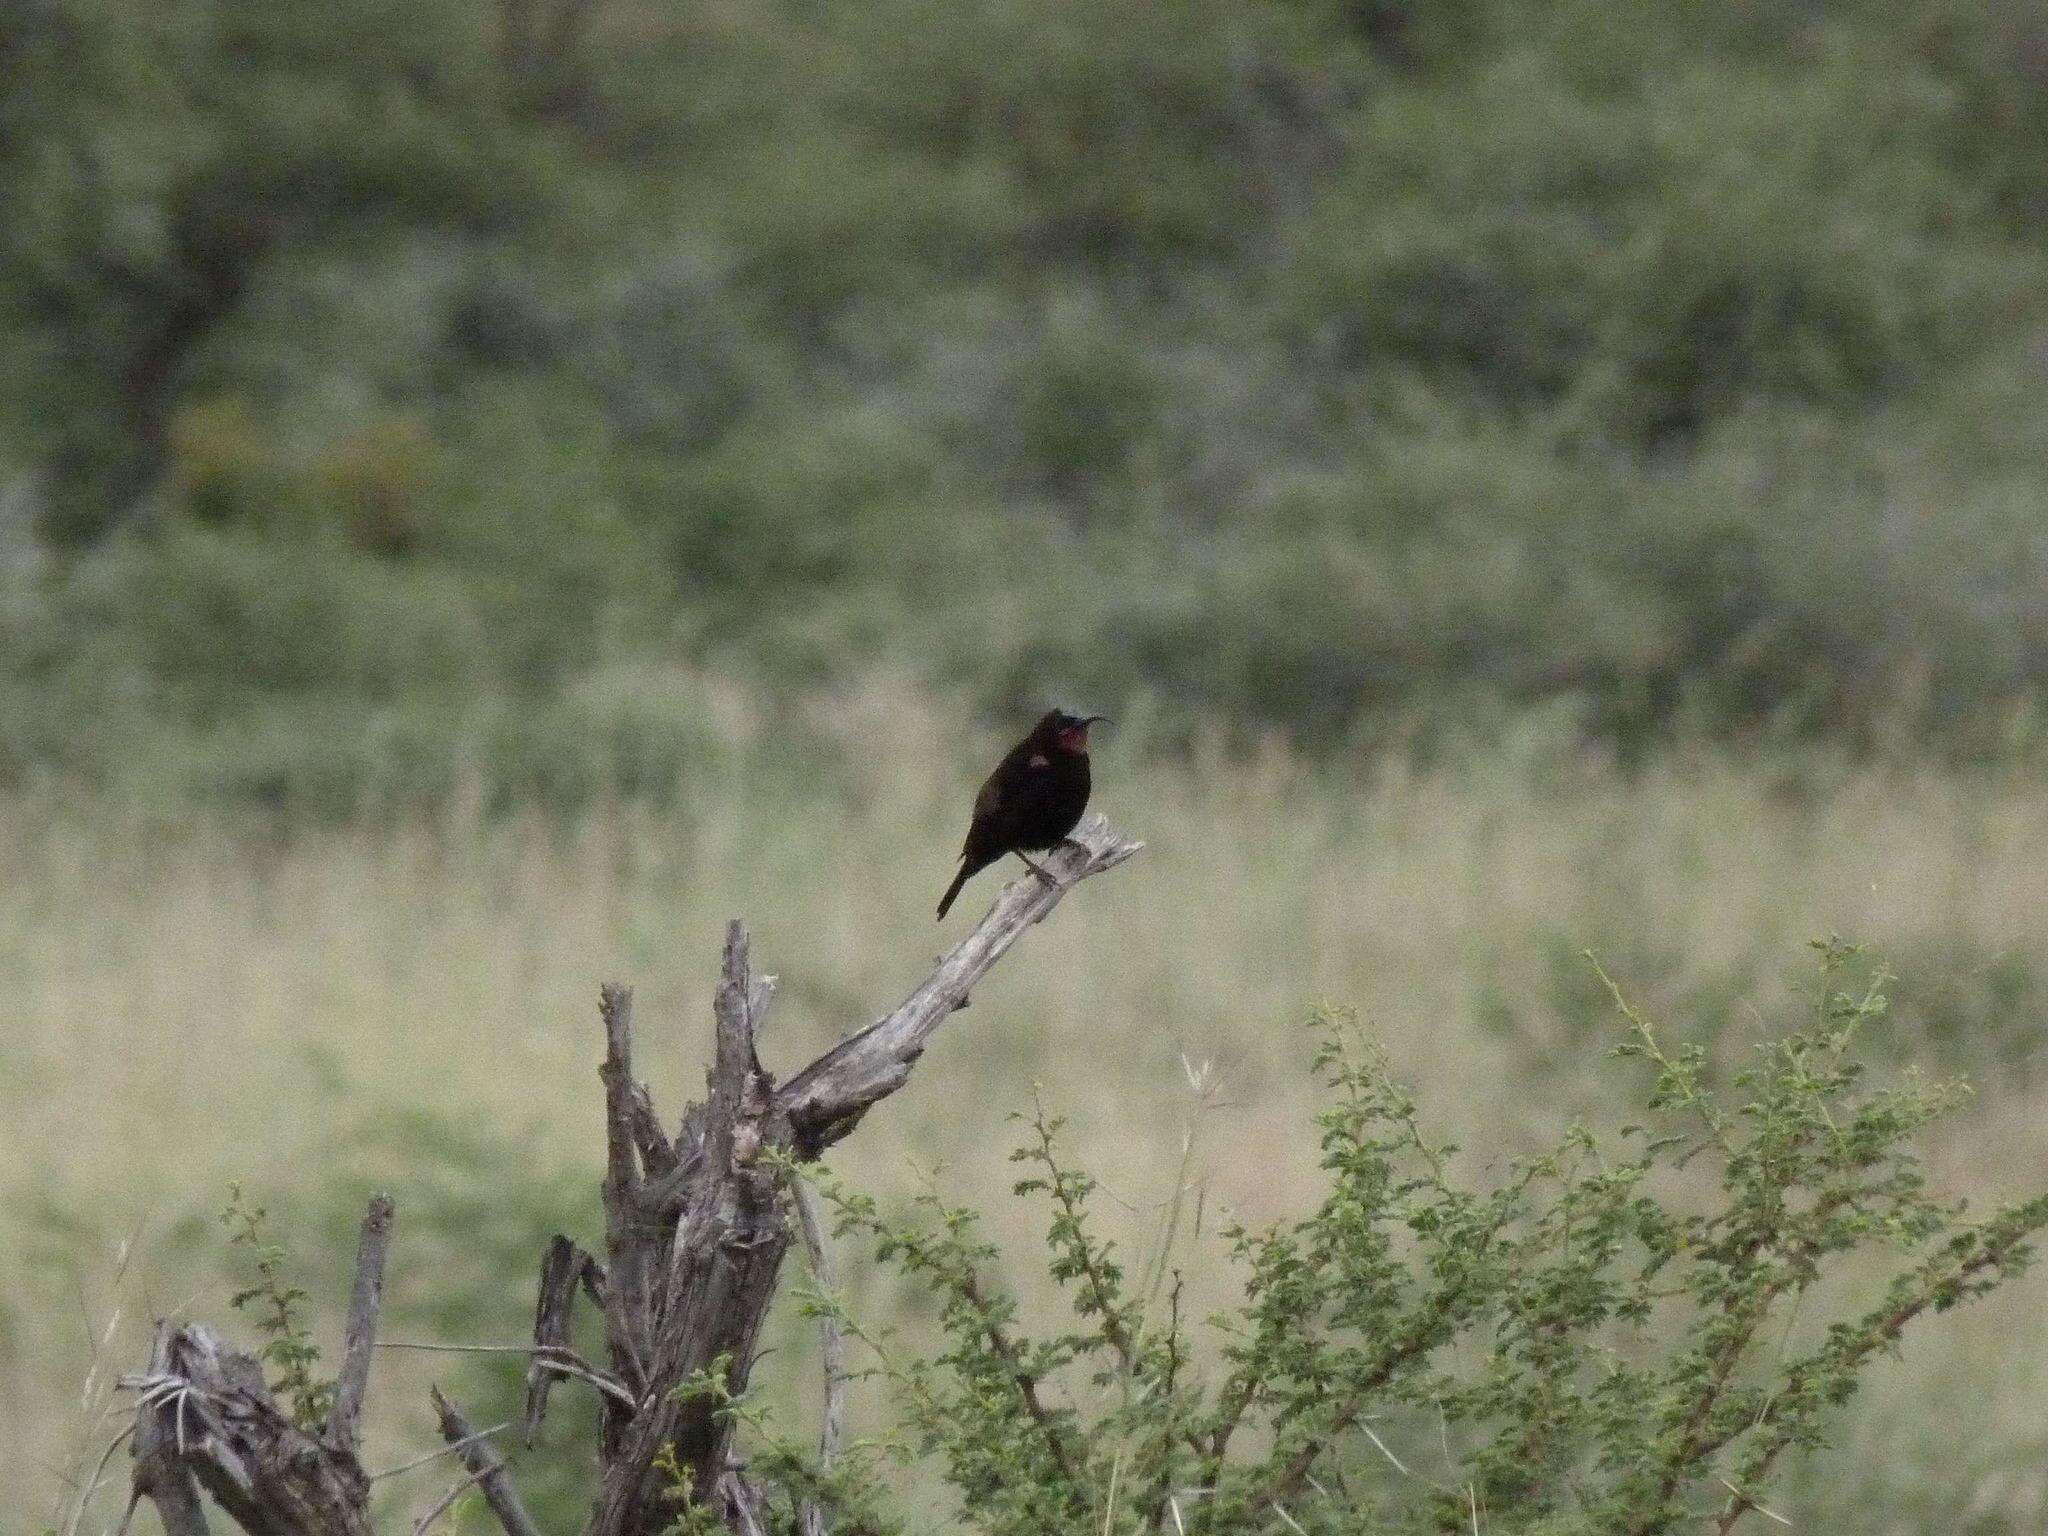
x=1067 y=733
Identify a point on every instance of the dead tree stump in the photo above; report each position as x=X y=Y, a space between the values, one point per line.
x=696 y=1226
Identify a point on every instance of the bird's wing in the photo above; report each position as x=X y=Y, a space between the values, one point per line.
x=985 y=806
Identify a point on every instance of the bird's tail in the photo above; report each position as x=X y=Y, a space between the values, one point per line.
x=953 y=890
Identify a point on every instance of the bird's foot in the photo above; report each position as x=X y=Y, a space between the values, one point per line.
x=1042 y=872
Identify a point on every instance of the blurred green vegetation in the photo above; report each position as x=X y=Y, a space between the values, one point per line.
x=401 y=398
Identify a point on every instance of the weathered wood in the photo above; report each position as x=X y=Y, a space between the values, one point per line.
x=272 y=1477
x=695 y=1234
x=717 y=1211
x=663 y=1195
x=628 y=1324
x=657 y=1157
x=486 y=1466
x=204 y=1416
x=560 y=1272
x=160 y=1474
x=595 y=1284
x=733 y=1063
x=359 y=1338
x=719 y=1268
x=560 y=1276
x=826 y=1100
x=831 y=1348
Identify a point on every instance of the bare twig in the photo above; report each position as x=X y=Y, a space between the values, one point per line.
x=1373 y=1436
x=566 y=1362
x=365 y=1301
x=695 y=1232
x=436 y=1455
x=487 y=1467
x=419 y=1526
x=552 y=1357
x=1740 y=1503
x=832 y=1346
x=1012 y=1355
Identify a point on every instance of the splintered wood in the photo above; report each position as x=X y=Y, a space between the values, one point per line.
x=696 y=1227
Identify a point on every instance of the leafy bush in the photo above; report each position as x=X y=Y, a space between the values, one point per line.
x=1625 y=1334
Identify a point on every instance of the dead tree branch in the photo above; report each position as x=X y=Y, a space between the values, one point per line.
x=717 y=1267
x=208 y=1407
x=826 y=1100
x=436 y=1455
x=831 y=1346
x=690 y=1289
x=161 y=1475
x=486 y=1466
x=560 y=1272
x=359 y=1340
x=626 y=1316
x=695 y=1232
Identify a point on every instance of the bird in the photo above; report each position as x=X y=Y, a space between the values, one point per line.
x=1032 y=801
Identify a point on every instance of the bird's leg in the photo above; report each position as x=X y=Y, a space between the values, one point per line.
x=1039 y=870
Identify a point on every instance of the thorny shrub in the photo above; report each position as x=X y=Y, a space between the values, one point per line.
x=1625 y=1335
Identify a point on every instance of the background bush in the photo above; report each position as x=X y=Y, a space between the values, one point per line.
x=1328 y=370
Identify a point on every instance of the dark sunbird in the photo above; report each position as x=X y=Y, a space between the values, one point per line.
x=1033 y=799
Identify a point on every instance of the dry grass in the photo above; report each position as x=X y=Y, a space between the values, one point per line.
x=186 y=1007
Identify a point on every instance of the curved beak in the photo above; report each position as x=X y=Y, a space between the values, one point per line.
x=1087 y=720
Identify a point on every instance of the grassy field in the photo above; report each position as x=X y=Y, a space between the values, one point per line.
x=475 y=514
x=413 y=1007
